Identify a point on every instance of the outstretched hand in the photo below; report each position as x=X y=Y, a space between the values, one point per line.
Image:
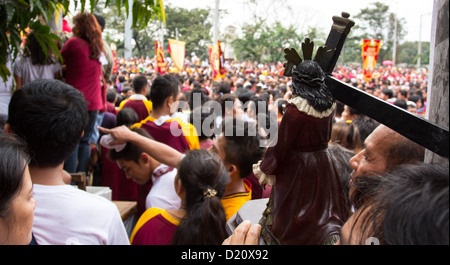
x=120 y=134
x=244 y=234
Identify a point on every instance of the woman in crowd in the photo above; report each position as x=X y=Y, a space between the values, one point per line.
x=16 y=202
x=82 y=55
x=35 y=64
x=201 y=219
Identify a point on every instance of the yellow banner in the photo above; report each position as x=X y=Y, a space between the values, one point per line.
x=177 y=52
x=160 y=62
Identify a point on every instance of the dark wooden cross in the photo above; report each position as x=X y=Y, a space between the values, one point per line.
x=415 y=128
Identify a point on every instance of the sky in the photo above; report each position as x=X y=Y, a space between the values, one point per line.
x=316 y=13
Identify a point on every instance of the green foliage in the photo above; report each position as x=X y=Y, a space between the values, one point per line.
x=192 y=27
x=18 y=15
x=265 y=43
x=374 y=22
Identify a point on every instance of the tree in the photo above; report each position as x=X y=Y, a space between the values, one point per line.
x=192 y=27
x=265 y=43
x=18 y=15
x=374 y=22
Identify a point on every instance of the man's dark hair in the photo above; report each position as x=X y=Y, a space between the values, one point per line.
x=131 y=152
x=388 y=92
x=406 y=206
x=401 y=103
x=226 y=98
x=100 y=20
x=366 y=126
x=127 y=117
x=162 y=88
x=50 y=116
x=242 y=148
x=199 y=92
x=139 y=83
x=111 y=95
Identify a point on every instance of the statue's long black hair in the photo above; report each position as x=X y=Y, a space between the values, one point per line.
x=308 y=82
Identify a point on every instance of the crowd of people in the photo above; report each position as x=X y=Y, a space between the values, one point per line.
x=184 y=145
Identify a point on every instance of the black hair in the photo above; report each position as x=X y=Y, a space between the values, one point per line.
x=139 y=83
x=162 y=88
x=401 y=103
x=100 y=20
x=407 y=206
x=111 y=95
x=195 y=93
x=131 y=152
x=204 y=177
x=346 y=134
x=35 y=51
x=366 y=126
x=203 y=115
x=388 y=92
x=13 y=162
x=341 y=157
x=281 y=106
x=308 y=82
x=127 y=117
x=226 y=98
x=50 y=116
x=242 y=147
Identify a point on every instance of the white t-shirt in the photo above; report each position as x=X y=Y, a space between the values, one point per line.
x=24 y=68
x=162 y=194
x=6 y=88
x=66 y=215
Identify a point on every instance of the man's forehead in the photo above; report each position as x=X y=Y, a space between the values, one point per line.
x=379 y=138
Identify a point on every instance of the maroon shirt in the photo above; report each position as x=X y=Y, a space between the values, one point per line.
x=83 y=73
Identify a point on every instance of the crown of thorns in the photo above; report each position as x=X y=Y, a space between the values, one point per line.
x=294 y=59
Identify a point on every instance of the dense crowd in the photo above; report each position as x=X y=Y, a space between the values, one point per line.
x=191 y=149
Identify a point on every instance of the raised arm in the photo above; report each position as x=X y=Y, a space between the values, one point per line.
x=159 y=151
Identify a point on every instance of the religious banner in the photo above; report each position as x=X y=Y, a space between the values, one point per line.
x=177 y=52
x=216 y=59
x=370 y=50
x=160 y=62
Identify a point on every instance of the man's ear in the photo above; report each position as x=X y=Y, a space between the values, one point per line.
x=7 y=128
x=232 y=170
x=144 y=158
x=169 y=101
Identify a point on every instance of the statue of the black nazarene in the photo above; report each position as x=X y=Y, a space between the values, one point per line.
x=307 y=204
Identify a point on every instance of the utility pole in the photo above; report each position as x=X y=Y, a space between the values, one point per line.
x=394 y=52
x=419 y=48
x=216 y=23
x=127 y=42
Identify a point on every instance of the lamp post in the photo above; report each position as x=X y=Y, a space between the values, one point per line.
x=419 y=48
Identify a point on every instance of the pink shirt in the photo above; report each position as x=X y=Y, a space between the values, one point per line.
x=82 y=72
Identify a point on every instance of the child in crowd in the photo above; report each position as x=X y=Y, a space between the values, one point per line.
x=50 y=116
x=200 y=184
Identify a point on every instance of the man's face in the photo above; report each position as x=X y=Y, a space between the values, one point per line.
x=373 y=156
x=138 y=172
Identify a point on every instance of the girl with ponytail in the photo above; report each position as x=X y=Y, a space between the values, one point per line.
x=200 y=183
